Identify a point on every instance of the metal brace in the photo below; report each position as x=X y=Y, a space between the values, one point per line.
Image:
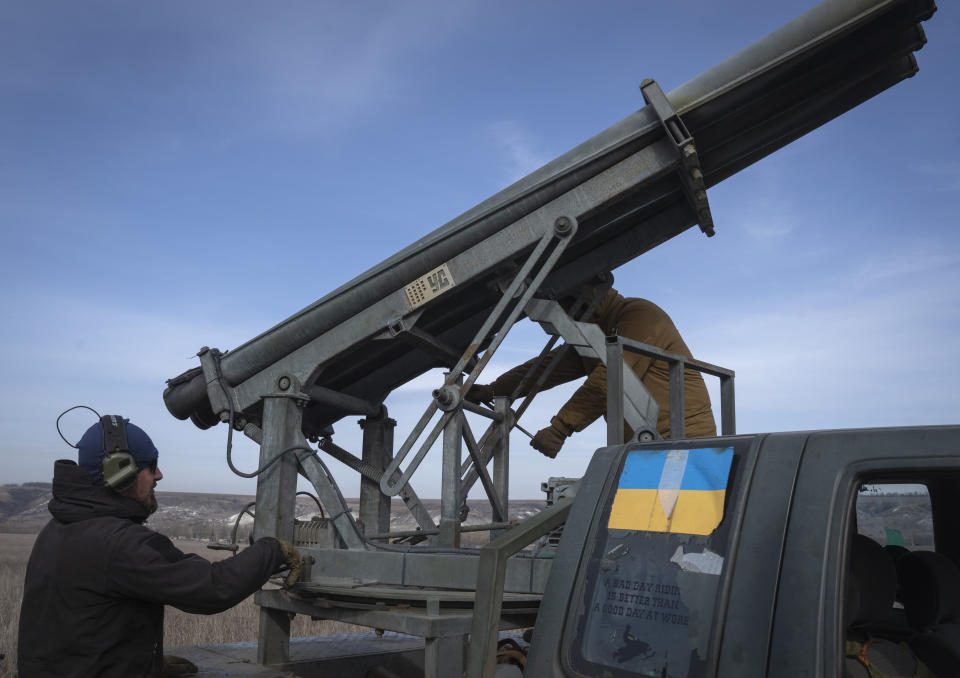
x=221 y=394
x=551 y=246
x=691 y=176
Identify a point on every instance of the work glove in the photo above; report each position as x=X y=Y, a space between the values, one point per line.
x=480 y=393
x=549 y=440
x=176 y=666
x=293 y=560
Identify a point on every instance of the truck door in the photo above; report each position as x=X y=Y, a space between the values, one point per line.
x=808 y=628
x=641 y=576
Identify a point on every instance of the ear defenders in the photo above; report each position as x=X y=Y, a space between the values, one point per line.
x=118 y=466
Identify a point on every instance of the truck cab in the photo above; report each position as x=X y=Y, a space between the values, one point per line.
x=735 y=556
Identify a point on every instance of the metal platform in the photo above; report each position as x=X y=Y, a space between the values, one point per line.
x=346 y=654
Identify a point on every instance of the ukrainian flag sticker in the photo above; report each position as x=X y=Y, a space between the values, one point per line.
x=680 y=491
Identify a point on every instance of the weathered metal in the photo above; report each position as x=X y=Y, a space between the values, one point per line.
x=618 y=399
x=818 y=66
x=450 y=298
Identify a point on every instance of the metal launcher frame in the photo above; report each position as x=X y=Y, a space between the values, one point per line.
x=450 y=299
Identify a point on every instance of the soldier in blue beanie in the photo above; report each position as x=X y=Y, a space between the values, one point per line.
x=90 y=452
x=98 y=578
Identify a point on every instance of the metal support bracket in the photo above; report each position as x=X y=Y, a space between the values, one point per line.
x=276 y=500
x=539 y=263
x=491 y=575
x=220 y=393
x=691 y=176
x=497 y=436
x=636 y=405
x=324 y=485
x=409 y=497
x=405 y=330
x=616 y=345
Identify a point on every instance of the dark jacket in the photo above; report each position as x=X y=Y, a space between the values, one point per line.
x=98 y=579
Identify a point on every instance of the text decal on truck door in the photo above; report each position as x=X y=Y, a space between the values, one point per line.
x=649 y=587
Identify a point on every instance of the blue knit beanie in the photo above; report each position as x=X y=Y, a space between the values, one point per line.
x=90 y=449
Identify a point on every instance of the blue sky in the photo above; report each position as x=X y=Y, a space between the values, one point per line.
x=176 y=174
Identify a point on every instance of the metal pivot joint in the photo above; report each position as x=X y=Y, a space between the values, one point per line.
x=691 y=175
x=447 y=397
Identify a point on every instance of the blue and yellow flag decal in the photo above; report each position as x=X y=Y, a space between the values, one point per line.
x=679 y=491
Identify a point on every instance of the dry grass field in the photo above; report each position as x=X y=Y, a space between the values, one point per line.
x=14 y=552
x=238 y=623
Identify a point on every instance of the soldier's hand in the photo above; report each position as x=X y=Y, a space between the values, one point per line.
x=293 y=560
x=549 y=440
x=177 y=666
x=480 y=393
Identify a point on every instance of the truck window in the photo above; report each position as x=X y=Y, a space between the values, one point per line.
x=650 y=584
x=897 y=514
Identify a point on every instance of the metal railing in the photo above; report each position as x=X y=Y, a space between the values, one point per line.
x=616 y=345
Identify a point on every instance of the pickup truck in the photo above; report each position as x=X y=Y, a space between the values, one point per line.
x=736 y=557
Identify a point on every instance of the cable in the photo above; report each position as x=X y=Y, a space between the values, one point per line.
x=216 y=363
x=226 y=395
x=77 y=446
x=317 y=500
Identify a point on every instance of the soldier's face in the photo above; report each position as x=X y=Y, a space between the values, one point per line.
x=142 y=489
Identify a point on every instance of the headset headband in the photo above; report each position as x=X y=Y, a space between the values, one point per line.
x=114 y=434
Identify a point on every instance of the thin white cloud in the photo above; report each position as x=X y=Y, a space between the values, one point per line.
x=845 y=355
x=766 y=216
x=76 y=338
x=293 y=68
x=518 y=147
x=943 y=176
x=771 y=226
x=920 y=259
x=330 y=68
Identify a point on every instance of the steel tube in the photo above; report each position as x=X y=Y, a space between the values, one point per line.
x=614 y=391
x=825 y=83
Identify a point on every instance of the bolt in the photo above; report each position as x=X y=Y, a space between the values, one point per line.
x=696 y=174
x=284 y=383
x=701 y=196
x=224 y=416
x=447 y=397
x=562 y=226
x=689 y=150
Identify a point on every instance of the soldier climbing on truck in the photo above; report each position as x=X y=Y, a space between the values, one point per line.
x=632 y=318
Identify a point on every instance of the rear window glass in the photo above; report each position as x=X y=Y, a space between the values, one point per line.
x=896 y=514
x=651 y=583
